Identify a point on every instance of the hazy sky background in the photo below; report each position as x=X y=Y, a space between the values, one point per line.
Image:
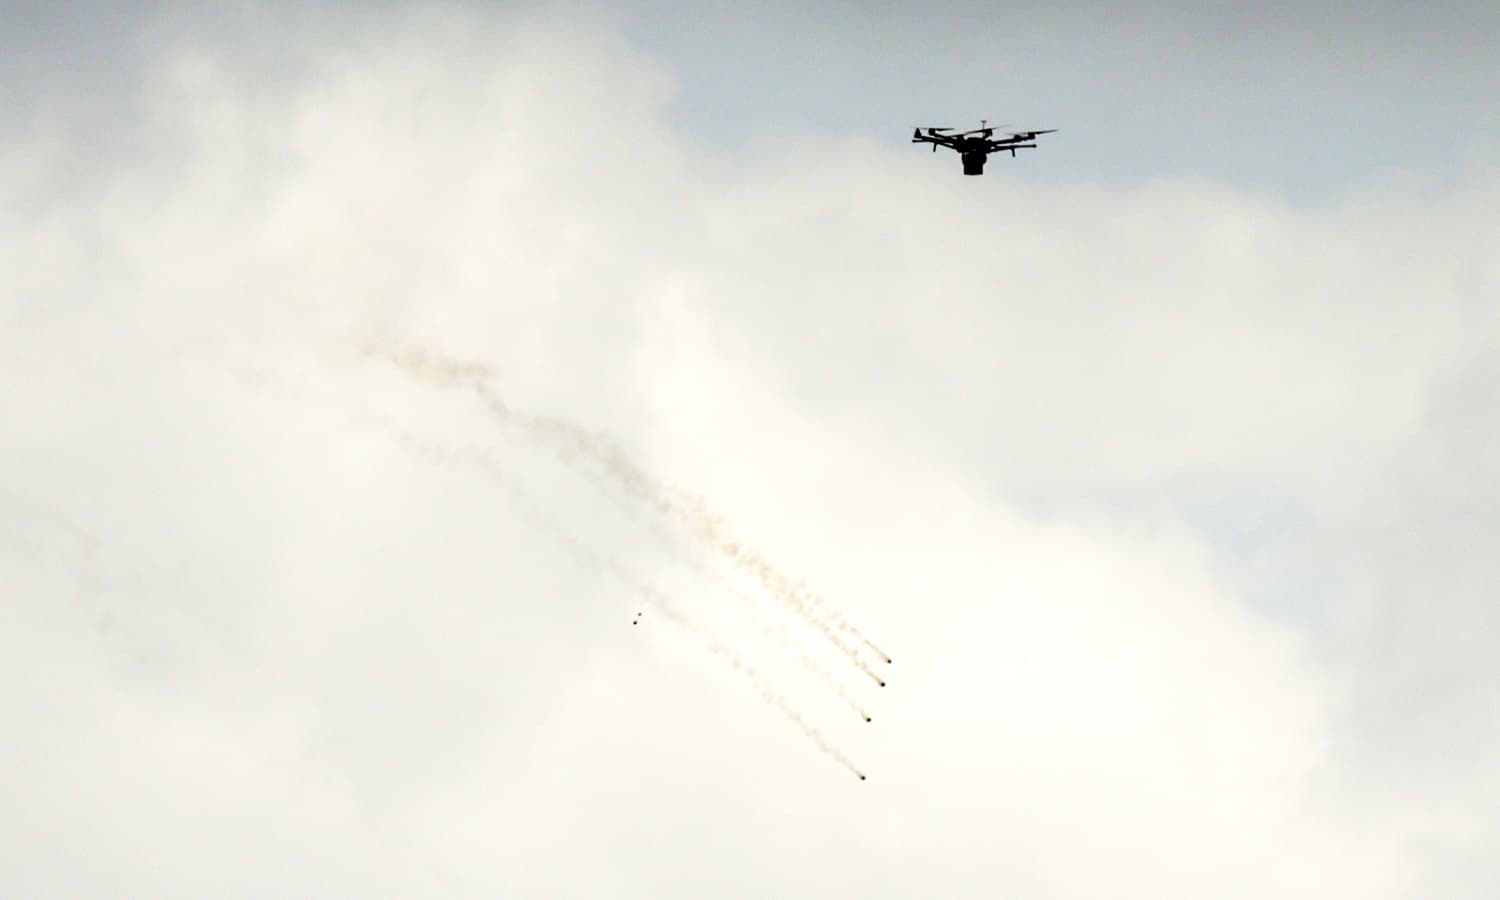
x=1162 y=458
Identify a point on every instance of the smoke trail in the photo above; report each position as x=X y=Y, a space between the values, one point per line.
x=807 y=662
x=689 y=511
x=598 y=563
x=566 y=438
x=826 y=677
x=722 y=584
x=528 y=509
x=764 y=687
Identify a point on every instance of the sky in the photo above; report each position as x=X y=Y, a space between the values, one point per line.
x=493 y=449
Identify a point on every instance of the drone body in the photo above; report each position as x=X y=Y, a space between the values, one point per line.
x=974 y=147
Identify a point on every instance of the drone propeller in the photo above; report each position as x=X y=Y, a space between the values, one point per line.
x=934 y=128
x=984 y=127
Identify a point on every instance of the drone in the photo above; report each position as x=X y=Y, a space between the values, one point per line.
x=974 y=147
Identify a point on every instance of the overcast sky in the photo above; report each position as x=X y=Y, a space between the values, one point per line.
x=371 y=369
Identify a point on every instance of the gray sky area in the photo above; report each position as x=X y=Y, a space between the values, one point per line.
x=1307 y=98
x=490 y=450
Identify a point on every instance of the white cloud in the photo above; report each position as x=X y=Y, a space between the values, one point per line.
x=1052 y=448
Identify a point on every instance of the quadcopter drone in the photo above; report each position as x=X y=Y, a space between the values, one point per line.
x=974 y=147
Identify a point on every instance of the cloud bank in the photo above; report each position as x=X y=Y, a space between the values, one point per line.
x=1168 y=502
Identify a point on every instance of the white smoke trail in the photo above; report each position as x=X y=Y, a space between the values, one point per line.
x=722 y=585
x=565 y=439
x=533 y=513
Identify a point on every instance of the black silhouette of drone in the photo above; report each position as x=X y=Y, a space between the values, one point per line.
x=974 y=147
